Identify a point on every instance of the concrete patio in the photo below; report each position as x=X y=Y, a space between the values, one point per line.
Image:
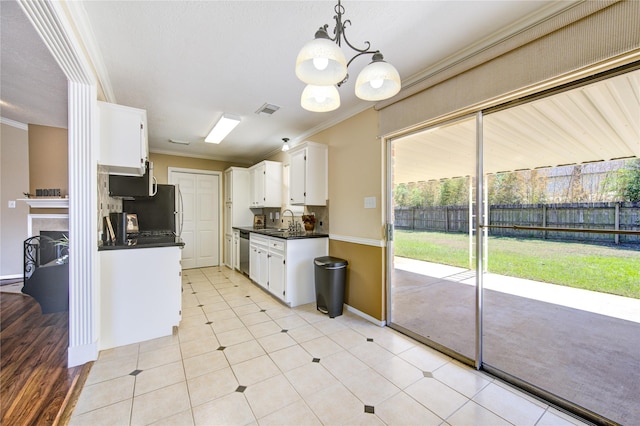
x=580 y=345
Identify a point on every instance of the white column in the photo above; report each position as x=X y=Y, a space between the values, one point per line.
x=83 y=213
x=51 y=21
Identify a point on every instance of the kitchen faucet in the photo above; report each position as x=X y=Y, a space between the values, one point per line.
x=292 y=224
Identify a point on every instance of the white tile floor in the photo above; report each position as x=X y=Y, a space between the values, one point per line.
x=241 y=358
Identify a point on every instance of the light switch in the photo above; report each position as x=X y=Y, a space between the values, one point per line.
x=369 y=202
x=12 y=204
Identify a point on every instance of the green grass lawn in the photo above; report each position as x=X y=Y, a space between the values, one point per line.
x=588 y=266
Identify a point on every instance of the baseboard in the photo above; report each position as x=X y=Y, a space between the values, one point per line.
x=366 y=316
x=11 y=277
x=78 y=355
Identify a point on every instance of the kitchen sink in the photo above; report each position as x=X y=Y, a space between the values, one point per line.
x=275 y=231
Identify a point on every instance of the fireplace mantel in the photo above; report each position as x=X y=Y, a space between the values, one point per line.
x=47 y=203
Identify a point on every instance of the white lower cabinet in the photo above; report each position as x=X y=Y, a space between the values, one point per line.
x=285 y=267
x=140 y=294
x=236 y=250
x=277 y=268
x=228 y=250
x=258 y=261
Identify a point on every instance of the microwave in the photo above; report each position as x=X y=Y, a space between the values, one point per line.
x=131 y=187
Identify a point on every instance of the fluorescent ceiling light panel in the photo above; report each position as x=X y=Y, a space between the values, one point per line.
x=223 y=127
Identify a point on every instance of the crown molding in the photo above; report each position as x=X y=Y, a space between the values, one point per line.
x=13 y=123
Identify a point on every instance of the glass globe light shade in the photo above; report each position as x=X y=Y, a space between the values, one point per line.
x=320 y=98
x=377 y=81
x=321 y=62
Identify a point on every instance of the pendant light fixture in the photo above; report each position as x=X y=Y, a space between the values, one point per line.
x=322 y=65
x=285 y=144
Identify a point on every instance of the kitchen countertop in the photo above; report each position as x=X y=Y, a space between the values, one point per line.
x=285 y=235
x=146 y=242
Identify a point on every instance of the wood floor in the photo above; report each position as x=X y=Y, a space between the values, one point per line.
x=35 y=384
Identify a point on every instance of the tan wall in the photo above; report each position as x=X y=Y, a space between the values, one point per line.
x=48 y=162
x=162 y=162
x=356 y=171
x=365 y=288
x=14 y=180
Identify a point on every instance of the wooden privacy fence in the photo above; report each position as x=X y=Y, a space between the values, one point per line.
x=598 y=216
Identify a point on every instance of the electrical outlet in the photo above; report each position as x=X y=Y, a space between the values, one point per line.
x=12 y=204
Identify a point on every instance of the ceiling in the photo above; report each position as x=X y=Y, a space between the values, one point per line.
x=188 y=62
x=596 y=122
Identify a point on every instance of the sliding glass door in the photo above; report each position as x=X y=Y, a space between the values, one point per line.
x=558 y=311
x=432 y=275
x=562 y=296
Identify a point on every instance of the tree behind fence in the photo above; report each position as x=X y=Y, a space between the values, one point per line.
x=621 y=216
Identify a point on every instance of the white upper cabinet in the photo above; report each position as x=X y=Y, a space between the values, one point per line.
x=236 y=195
x=123 y=139
x=266 y=184
x=308 y=174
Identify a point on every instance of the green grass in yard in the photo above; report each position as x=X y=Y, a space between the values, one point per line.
x=588 y=266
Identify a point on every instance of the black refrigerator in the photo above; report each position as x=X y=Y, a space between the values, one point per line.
x=160 y=214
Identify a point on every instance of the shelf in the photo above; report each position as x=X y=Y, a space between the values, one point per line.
x=47 y=203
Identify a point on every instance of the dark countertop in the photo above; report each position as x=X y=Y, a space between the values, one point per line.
x=146 y=242
x=285 y=235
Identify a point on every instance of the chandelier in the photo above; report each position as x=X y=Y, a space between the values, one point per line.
x=322 y=65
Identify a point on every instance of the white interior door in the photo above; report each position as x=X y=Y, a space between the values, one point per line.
x=208 y=214
x=201 y=216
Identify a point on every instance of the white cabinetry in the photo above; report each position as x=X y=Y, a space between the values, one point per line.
x=258 y=260
x=308 y=174
x=123 y=139
x=140 y=294
x=266 y=184
x=277 y=268
x=236 y=250
x=228 y=250
x=236 y=213
x=289 y=274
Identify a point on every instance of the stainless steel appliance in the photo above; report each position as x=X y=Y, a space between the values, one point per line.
x=244 y=252
x=160 y=214
x=132 y=187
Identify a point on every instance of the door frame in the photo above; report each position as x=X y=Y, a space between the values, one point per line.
x=220 y=224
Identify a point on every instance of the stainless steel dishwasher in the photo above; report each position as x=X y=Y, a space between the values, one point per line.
x=244 y=252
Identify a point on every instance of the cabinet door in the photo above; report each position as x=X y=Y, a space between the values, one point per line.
x=277 y=275
x=258 y=186
x=254 y=262
x=297 y=177
x=263 y=259
x=236 y=250
x=228 y=219
x=228 y=251
x=123 y=139
x=228 y=186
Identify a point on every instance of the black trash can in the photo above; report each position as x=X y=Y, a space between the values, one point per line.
x=330 y=274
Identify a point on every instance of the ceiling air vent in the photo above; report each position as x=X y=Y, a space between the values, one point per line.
x=267 y=109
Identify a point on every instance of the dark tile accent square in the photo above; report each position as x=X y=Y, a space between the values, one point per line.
x=236 y=285
x=200 y=306
x=284 y=330
x=263 y=310
x=369 y=409
x=315 y=360
x=222 y=348
x=193 y=292
x=427 y=374
x=247 y=296
x=369 y=339
x=208 y=322
x=135 y=372
x=241 y=389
